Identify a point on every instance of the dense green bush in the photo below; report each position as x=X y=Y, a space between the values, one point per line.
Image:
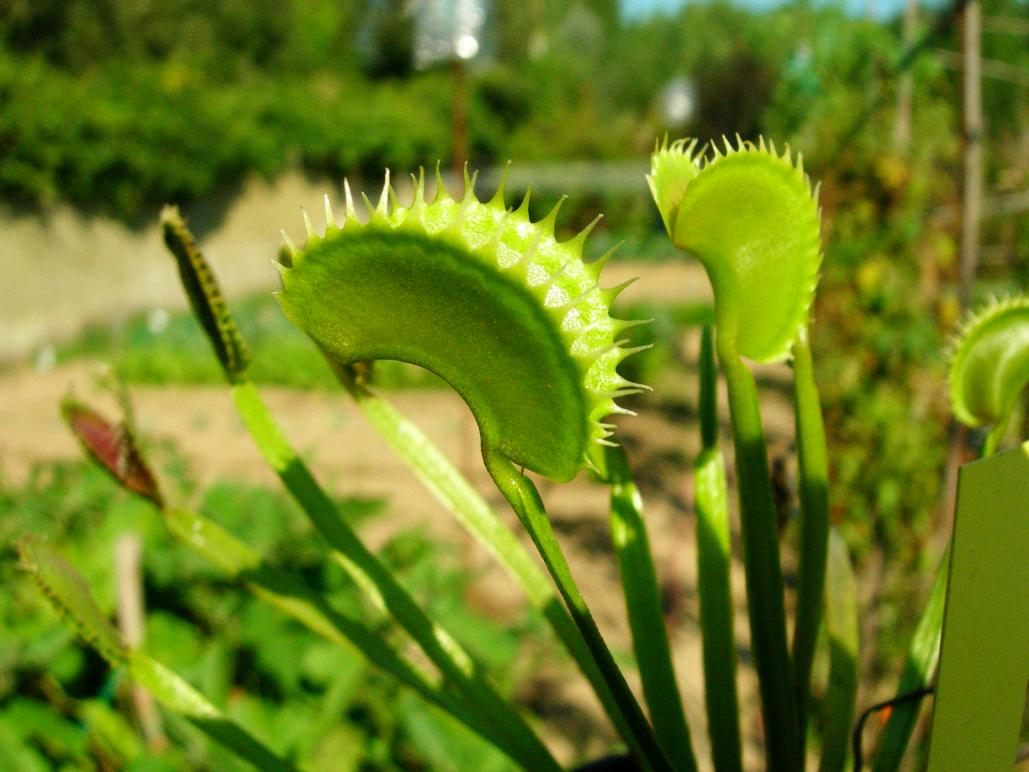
x=124 y=138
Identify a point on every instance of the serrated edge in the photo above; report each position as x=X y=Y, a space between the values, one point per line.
x=388 y=213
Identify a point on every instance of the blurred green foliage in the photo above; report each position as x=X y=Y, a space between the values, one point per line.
x=61 y=707
x=120 y=105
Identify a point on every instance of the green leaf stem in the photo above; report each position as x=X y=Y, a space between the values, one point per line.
x=749 y=215
x=378 y=582
x=646 y=618
x=525 y=500
x=842 y=628
x=813 y=462
x=714 y=560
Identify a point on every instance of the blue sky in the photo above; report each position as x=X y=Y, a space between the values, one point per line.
x=635 y=9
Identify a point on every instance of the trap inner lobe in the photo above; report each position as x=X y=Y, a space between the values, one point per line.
x=385 y=294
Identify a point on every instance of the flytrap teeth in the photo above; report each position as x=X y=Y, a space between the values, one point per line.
x=348 y=196
x=621 y=325
x=469 y=183
x=630 y=350
x=505 y=237
x=330 y=218
x=596 y=268
x=523 y=208
x=579 y=239
x=611 y=293
x=548 y=223
x=498 y=197
x=442 y=194
x=382 y=208
x=419 y=189
x=293 y=251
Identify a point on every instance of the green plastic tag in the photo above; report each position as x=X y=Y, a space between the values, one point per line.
x=984 y=657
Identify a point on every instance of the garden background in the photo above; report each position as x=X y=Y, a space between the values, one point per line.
x=244 y=111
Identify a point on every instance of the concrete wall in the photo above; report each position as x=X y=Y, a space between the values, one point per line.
x=63 y=269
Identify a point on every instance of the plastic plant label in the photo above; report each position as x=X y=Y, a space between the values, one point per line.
x=984 y=657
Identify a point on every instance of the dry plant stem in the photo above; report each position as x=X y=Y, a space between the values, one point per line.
x=765 y=601
x=714 y=558
x=376 y=580
x=525 y=500
x=128 y=557
x=454 y=492
x=646 y=619
x=814 y=524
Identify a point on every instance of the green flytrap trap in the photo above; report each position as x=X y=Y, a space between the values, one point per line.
x=518 y=324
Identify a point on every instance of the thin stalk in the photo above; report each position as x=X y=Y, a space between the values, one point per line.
x=765 y=602
x=814 y=525
x=918 y=672
x=372 y=576
x=841 y=622
x=714 y=559
x=524 y=498
x=292 y=596
x=470 y=509
x=646 y=619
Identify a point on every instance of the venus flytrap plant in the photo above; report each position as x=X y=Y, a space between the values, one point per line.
x=750 y=217
x=441 y=648
x=514 y=321
x=989 y=370
x=989 y=367
x=472 y=511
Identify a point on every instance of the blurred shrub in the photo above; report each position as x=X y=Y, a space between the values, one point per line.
x=124 y=138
